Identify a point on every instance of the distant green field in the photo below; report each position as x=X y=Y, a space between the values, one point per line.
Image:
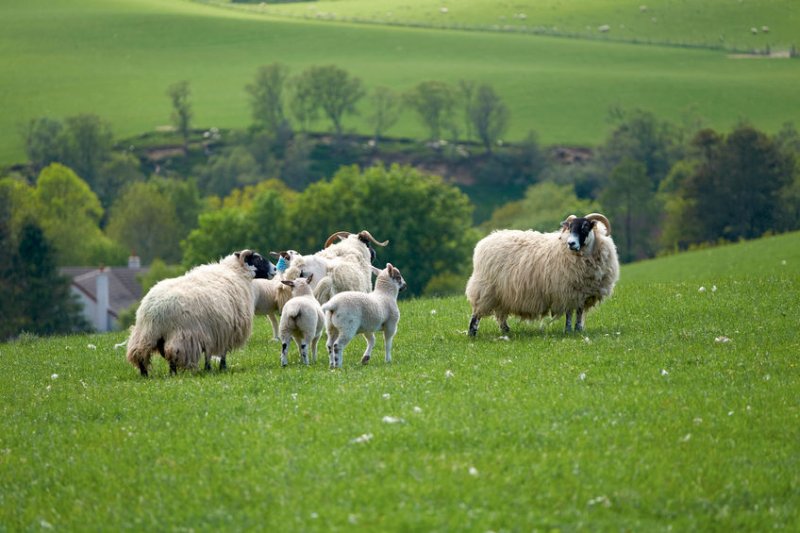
x=676 y=410
x=116 y=59
x=717 y=23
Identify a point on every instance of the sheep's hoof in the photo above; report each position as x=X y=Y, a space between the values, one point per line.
x=365 y=360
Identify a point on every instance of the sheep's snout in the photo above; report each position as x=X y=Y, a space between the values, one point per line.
x=574 y=243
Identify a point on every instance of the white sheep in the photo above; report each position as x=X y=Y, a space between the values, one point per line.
x=343 y=266
x=270 y=294
x=301 y=319
x=532 y=274
x=350 y=313
x=208 y=310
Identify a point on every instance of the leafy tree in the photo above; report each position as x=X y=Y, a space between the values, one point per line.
x=87 y=143
x=144 y=220
x=44 y=302
x=9 y=265
x=426 y=220
x=181 y=109
x=228 y=170
x=385 y=111
x=333 y=90
x=543 y=208
x=43 y=142
x=434 y=102
x=630 y=203
x=69 y=213
x=466 y=89
x=218 y=234
x=489 y=116
x=303 y=103
x=119 y=171
x=266 y=96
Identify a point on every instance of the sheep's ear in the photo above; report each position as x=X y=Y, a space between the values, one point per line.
x=390 y=268
x=237 y=254
x=375 y=270
x=310 y=277
x=275 y=254
x=287 y=282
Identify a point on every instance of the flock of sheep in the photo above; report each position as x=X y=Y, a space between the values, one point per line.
x=210 y=310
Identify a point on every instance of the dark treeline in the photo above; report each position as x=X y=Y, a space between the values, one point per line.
x=191 y=196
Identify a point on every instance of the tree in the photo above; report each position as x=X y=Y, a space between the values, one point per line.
x=87 y=143
x=266 y=96
x=44 y=301
x=489 y=116
x=333 y=90
x=226 y=171
x=9 y=266
x=630 y=202
x=426 y=220
x=218 y=234
x=385 y=111
x=43 y=142
x=119 y=171
x=466 y=88
x=181 y=109
x=543 y=208
x=302 y=103
x=144 y=220
x=434 y=102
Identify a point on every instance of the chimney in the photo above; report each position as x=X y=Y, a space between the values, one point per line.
x=134 y=261
x=101 y=291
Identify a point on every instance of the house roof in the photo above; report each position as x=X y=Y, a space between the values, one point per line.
x=124 y=288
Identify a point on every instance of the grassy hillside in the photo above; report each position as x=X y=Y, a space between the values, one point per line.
x=116 y=59
x=717 y=23
x=677 y=409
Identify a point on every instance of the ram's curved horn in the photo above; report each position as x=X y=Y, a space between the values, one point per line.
x=339 y=234
x=601 y=218
x=364 y=234
x=568 y=221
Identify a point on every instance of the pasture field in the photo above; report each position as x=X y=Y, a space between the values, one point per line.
x=677 y=409
x=116 y=59
x=714 y=23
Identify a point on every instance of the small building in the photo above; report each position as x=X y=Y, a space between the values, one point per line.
x=106 y=291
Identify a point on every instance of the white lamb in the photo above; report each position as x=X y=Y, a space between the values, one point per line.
x=350 y=313
x=208 y=310
x=301 y=319
x=270 y=294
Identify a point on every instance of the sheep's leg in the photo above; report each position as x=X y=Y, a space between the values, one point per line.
x=370 y=336
x=304 y=350
x=285 y=341
x=339 y=345
x=332 y=334
x=142 y=369
x=579 y=319
x=274 y=322
x=173 y=368
x=314 y=344
x=473 y=325
x=388 y=337
x=223 y=365
x=502 y=321
x=568 y=324
x=207 y=365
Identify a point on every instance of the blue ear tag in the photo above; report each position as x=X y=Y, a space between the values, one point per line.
x=281 y=266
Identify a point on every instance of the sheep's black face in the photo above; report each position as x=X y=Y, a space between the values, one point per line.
x=581 y=235
x=369 y=247
x=263 y=268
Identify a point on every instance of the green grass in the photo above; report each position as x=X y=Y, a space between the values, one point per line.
x=117 y=59
x=715 y=23
x=646 y=422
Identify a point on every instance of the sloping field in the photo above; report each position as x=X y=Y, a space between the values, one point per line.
x=716 y=23
x=677 y=409
x=116 y=59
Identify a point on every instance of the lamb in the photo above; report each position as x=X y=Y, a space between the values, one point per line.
x=270 y=294
x=301 y=319
x=349 y=313
x=532 y=274
x=344 y=266
x=208 y=310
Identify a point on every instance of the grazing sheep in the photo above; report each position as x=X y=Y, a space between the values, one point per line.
x=346 y=264
x=349 y=313
x=270 y=294
x=208 y=310
x=301 y=319
x=532 y=274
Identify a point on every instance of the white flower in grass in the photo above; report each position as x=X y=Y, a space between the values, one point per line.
x=600 y=500
x=417 y=409
x=91 y=346
x=503 y=338
x=722 y=339
x=392 y=420
x=582 y=376
x=730 y=413
x=686 y=438
x=587 y=340
x=433 y=312
x=473 y=471
x=697 y=421
x=386 y=396
x=45 y=524
x=713 y=288
x=443 y=10
x=54 y=376
x=701 y=289
x=361 y=439
x=449 y=374
x=664 y=372
x=314 y=515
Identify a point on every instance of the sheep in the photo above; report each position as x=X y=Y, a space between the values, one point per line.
x=208 y=310
x=301 y=319
x=349 y=313
x=270 y=294
x=344 y=266
x=532 y=274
